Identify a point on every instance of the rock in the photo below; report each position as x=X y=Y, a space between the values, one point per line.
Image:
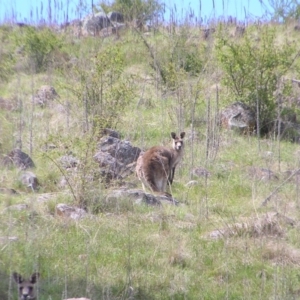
x=270 y=224
x=71 y=212
x=19 y=159
x=69 y=161
x=192 y=183
x=115 y=16
x=238 y=116
x=93 y=24
x=8 y=191
x=111 y=132
x=30 y=180
x=139 y=197
x=8 y=104
x=116 y=158
x=262 y=174
x=45 y=94
x=18 y=207
x=200 y=172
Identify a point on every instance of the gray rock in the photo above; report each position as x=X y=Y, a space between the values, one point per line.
x=116 y=158
x=69 y=161
x=44 y=95
x=71 y=212
x=30 y=180
x=19 y=159
x=115 y=16
x=139 y=197
x=93 y=24
x=238 y=116
x=8 y=191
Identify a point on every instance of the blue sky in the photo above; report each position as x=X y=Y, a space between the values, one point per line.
x=34 y=10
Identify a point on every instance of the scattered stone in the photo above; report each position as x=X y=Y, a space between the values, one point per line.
x=295 y=178
x=9 y=105
x=139 y=197
x=238 y=116
x=30 y=180
x=111 y=132
x=45 y=94
x=69 y=161
x=270 y=224
x=8 y=191
x=262 y=174
x=192 y=183
x=18 y=207
x=71 y=212
x=201 y=172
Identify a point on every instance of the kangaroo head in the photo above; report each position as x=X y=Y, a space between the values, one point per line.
x=26 y=288
x=177 y=141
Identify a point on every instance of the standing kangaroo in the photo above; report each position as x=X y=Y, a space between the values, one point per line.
x=26 y=288
x=156 y=167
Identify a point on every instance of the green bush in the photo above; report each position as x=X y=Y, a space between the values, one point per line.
x=39 y=44
x=253 y=68
x=103 y=89
x=135 y=9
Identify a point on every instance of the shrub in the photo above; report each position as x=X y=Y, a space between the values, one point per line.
x=38 y=45
x=253 y=68
x=103 y=89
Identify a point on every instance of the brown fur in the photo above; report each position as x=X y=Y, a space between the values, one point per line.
x=26 y=288
x=156 y=167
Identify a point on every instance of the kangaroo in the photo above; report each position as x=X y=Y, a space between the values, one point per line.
x=156 y=167
x=26 y=288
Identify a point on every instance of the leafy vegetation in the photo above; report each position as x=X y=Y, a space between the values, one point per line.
x=253 y=71
x=144 y=10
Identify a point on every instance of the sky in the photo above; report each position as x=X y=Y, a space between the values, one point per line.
x=32 y=11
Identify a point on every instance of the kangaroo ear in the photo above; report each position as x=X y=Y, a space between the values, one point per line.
x=182 y=134
x=17 y=277
x=34 y=277
x=173 y=135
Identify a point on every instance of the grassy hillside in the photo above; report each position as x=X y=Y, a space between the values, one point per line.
x=220 y=242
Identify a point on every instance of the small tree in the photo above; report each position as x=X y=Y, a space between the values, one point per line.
x=253 y=67
x=104 y=90
x=143 y=10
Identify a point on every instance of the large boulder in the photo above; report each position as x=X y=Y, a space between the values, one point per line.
x=115 y=16
x=238 y=116
x=93 y=24
x=138 y=197
x=18 y=159
x=116 y=158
